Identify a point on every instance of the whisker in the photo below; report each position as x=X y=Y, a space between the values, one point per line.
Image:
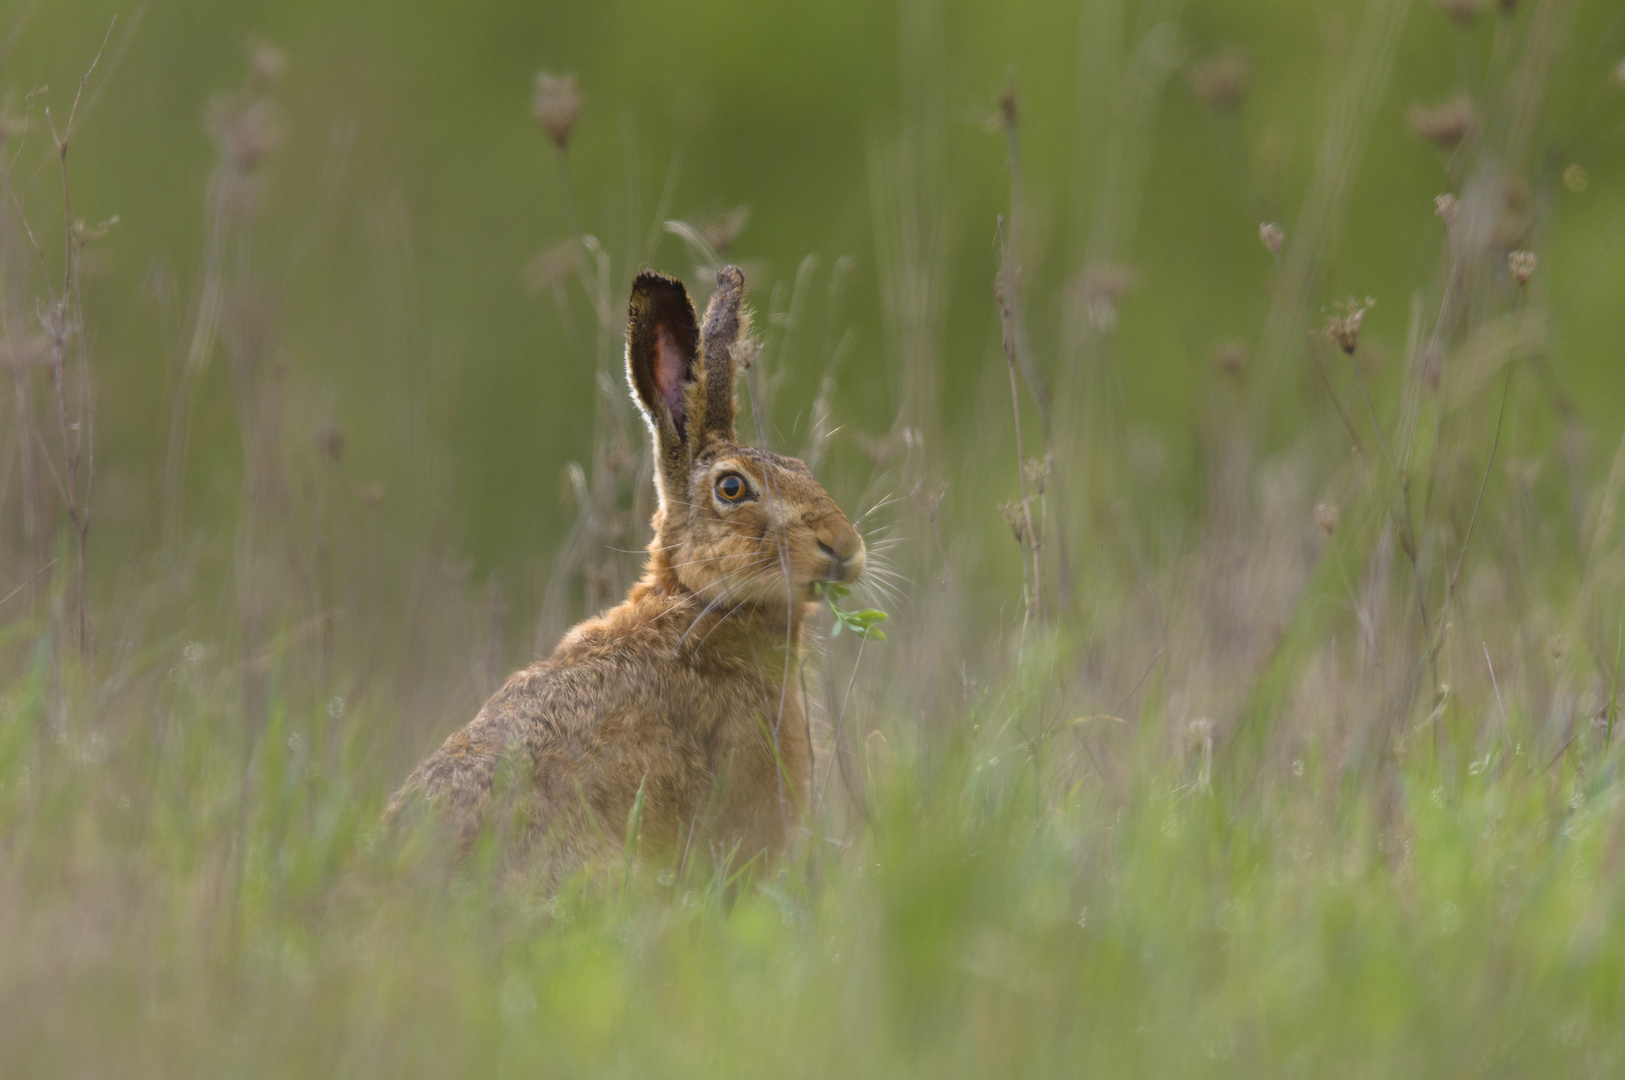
x=886 y=501
x=704 y=559
x=730 y=588
x=888 y=573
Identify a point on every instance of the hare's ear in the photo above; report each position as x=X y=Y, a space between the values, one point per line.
x=662 y=344
x=724 y=322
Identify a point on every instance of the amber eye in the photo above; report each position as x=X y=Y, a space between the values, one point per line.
x=731 y=487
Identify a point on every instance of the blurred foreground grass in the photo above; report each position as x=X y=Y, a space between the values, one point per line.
x=1278 y=741
x=1430 y=923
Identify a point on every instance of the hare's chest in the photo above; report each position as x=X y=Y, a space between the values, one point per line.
x=744 y=731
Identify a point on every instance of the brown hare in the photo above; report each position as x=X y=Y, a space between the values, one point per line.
x=688 y=691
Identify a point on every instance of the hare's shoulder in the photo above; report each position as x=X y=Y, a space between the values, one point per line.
x=600 y=667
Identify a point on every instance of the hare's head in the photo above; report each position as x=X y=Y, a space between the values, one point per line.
x=735 y=524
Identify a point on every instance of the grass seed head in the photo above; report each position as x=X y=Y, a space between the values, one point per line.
x=1220 y=82
x=557 y=106
x=1009 y=104
x=1101 y=288
x=1231 y=358
x=244 y=132
x=745 y=352
x=1343 y=324
x=931 y=501
x=1326 y=517
x=1443 y=125
x=1445 y=206
x=553 y=267
x=1036 y=472
x=1272 y=236
x=1522 y=266
x=1463 y=11
x=722 y=229
x=330 y=441
x=266 y=62
x=1012 y=517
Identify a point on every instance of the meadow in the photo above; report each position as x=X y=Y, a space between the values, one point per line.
x=1229 y=392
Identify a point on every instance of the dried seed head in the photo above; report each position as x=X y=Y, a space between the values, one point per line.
x=1463 y=11
x=1445 y=207
x=933 y=500
x=1036 y=472
x=1012 y=517
x=84 y=232
x=721 y=230
x=1272 y=236
x=550 y=269
x=1443 y=125
x=1220 y=81
x=244 y=132
x=1326 y=517
x=1008 y=108
x=1100 y=288
x=330 y=441
x=1522 y=265
x=1231 y=358
x=1201 y=730
x=745 y=352
x=1108 y=281
x=265 y=62
x=557 y=106
x=1343 y=324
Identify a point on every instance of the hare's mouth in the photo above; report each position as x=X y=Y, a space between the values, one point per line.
x=841 y=569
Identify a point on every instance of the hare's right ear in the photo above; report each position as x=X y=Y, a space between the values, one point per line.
x=662 y=344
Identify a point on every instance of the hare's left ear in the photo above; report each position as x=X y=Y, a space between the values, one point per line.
x=725 y=321
x=662 y=346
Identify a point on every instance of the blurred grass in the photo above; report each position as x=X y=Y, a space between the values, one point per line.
x=1293 y=780
x=1471 y=926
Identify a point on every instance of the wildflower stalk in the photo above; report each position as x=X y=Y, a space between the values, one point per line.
x=62 y=323
x=1009 y=116
x=1032 y=592
x=1613 y=692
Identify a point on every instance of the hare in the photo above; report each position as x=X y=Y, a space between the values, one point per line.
x=687 y=695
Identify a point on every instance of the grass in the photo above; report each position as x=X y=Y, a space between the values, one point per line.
x=164 y=913
x=1291 y=759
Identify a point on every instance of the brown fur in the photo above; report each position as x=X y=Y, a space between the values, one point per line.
x=690 y=688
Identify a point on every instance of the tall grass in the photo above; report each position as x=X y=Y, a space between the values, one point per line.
x=1312 y=777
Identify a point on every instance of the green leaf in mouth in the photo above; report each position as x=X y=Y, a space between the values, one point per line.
x=863 y=623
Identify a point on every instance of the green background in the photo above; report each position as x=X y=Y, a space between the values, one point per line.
x=783 y=108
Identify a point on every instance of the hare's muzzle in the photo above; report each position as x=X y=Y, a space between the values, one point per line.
x=844 y=552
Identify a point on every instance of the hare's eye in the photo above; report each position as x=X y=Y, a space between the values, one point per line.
x=731 y=487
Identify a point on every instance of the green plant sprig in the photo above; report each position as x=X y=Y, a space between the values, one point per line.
x=862 y=623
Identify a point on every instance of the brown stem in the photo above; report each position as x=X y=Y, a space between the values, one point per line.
x=1035 y=601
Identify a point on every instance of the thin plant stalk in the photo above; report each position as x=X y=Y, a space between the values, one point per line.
x=1034 y=600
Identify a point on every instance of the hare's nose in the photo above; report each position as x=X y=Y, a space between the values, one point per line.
x=845 y=555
